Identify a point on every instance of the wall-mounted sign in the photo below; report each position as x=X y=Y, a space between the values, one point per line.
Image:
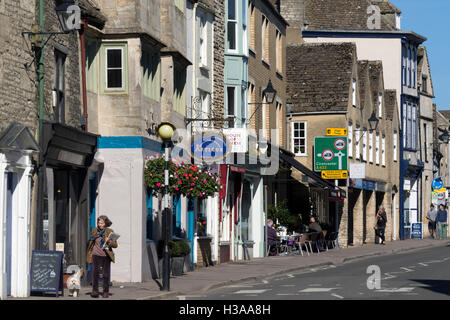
x=330 y=153
x=337 y=132
x=238 y=139
x=357 y=170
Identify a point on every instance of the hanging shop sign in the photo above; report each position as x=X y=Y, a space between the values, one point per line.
x=357 y=170
x=210 y=147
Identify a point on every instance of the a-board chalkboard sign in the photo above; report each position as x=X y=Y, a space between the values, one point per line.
x=46 y=272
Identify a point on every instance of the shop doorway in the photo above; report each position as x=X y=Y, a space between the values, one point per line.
x=9 y=217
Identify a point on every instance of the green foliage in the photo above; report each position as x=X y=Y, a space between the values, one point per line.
x=281 y=213
x=185 y=179
x=178 y=248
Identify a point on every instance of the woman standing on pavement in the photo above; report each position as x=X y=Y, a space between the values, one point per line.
x=381 y=224
x=100 y=256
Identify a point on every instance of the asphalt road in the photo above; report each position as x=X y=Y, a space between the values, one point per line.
x=419 y=275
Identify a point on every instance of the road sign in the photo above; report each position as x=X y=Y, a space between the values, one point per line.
x=335 y=174
x=437 y=184
x=337 y=132
x=330 y=153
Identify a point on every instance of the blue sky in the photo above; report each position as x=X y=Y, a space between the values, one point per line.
x=431 y=19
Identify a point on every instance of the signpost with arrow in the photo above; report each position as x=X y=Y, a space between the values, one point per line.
x=331 y=158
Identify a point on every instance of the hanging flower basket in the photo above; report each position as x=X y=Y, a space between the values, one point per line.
x=184 y=179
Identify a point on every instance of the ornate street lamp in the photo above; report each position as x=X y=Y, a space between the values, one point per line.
x=373 y=122
x=166 y=131
x=269 y=93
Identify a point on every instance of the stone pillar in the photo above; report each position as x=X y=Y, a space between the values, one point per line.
x=358 y=225
x=388 y=206
x=343 y=223
x=370 y=212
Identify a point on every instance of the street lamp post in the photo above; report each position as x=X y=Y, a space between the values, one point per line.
x=166 y=132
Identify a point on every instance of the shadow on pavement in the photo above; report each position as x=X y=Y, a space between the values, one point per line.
x=439 y=286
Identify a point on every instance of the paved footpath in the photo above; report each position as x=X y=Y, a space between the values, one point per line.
x=204 y=279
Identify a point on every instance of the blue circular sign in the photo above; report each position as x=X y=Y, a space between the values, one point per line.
x=437 y=183
x=210 y=147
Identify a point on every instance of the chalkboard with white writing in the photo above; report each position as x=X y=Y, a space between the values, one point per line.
x=46 y=272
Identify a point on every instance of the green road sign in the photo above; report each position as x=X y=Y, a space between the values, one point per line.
x=330 y=153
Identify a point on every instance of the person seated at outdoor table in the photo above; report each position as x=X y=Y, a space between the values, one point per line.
x=314 y=226
x=272 y=236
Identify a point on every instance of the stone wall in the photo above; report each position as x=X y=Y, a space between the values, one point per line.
x=18 y=85
x=219 y=61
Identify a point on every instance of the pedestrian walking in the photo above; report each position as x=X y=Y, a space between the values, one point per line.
x=100 y=255
x=381 y=224
x=441 y=220
x=431 y=216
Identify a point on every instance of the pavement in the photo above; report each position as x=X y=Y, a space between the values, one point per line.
x=205 y=279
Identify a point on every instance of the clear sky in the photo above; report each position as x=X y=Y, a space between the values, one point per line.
x=431 y=19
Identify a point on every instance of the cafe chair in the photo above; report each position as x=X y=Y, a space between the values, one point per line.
x=303 y=242
x=315 y=240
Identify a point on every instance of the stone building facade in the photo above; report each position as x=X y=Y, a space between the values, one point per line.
x=328 y=85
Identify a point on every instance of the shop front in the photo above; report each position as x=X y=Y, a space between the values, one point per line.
x=64 y=196
x=17 y=146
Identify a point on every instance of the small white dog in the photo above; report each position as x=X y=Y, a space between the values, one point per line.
x=74 y=281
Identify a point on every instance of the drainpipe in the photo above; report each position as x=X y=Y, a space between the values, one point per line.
x=83 y=72
x=41 y=70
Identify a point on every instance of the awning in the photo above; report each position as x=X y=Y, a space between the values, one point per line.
x=289 y=158
x=67 y=146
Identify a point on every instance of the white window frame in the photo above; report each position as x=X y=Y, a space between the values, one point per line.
x=264 y=26
x=380 y=105
x=203 y=40
x=395 y=145
x=364 y=144
x=383 y=151
x=279 y=55
x=350 y=140
x=414 y=127
x=305 y=154
x=235 y=22
x=235 y=104
x=377 y=149
x=371 y=147
x=357 y=143
x=354 y=92
x=107 y=69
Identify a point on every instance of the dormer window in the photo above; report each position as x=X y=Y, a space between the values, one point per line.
x=424 y=83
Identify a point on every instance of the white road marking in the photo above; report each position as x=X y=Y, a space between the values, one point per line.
x=388 y=276
x=310 y=290
x=287 y=285
x=251 y=291
x=396 y=290
x=407 y=270
x=190 y=296
x=290 y=276
x=241 y=286
x=315 y=285
x=423 y=264
x=337 y=296
x=265 y=281
x=286 y=294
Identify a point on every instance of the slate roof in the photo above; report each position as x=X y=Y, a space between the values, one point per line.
x=422 y=53
x=375 y=75
x=445 y=113
x=345 y=14
x=363 y=80
x=319 y=76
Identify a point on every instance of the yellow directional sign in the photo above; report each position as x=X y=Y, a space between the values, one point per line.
x=337 y=132
x=335 y=174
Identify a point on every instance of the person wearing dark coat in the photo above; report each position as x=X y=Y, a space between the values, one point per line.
x=381 y=224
